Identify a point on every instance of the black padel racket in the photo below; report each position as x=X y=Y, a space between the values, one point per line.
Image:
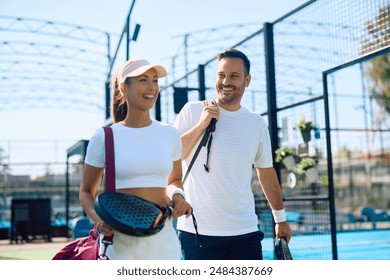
x=130 y=214
x=282 y=251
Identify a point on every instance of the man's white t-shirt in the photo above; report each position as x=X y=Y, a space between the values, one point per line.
x=222 y=198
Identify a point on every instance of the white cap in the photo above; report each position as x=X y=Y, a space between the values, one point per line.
x=137 y=67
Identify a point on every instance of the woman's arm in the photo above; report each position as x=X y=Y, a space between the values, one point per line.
x=89 y=185
x=175 y=191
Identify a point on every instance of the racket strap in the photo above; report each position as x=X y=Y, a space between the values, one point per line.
x=197 y=235
x=206 y=166
x=202 y=143
x=206 y=140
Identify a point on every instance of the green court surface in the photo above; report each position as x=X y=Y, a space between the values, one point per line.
x=31 y=250
x=28 y=255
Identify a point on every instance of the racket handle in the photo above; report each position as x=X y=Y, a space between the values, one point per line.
x=211 y=127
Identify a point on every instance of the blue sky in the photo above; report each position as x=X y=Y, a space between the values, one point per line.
x=162 y=24
x=161 y=21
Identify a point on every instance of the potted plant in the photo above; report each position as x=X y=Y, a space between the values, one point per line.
x=286 y=156
x=307 y=167
x=305 y=127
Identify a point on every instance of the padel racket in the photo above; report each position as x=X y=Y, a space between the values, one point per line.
x=130 y=214
x=282 y=251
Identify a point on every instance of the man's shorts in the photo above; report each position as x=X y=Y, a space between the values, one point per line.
x=238 y=247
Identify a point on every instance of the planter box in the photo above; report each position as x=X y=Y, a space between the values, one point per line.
x=306 y=136
x=312 y=175
x=289 y=162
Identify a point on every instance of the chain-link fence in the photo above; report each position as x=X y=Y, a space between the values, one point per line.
x=319 y=62
x=349 y=143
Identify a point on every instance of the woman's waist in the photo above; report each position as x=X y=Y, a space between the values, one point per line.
x=157 y=195
x=137 y=181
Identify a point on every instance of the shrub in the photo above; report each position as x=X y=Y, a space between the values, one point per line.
x=304 y=125
x=305 y=164
x=283 y=152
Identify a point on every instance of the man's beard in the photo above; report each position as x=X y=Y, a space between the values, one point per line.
x=231 y=99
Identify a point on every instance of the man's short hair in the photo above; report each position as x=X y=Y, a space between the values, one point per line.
x=234 y=53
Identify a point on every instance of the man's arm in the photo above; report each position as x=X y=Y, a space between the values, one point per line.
x=189 y=139
x=272 y=191
x=191 y=136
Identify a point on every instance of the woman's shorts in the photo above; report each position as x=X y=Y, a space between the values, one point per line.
x=164 y=245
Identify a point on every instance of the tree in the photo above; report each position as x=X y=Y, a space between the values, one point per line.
x=378 y=69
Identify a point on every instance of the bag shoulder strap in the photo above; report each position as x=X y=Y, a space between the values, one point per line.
x=110 y=180
x=110 y=159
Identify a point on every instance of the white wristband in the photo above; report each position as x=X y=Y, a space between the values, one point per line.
x=175 y=191
x=279 y=215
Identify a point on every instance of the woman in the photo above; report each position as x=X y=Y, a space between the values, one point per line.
x=147 y=160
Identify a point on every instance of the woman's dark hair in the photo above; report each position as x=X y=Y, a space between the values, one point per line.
x=233 y=53
x=118 y=102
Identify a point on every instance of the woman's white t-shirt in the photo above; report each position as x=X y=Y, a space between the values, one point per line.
x=143 y=156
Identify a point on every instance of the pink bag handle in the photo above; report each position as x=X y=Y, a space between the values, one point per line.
x=110 y=159
x=110 y=179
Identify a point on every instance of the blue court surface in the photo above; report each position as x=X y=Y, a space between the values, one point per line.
x=351 y=245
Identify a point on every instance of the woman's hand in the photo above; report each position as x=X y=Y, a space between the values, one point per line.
x=104 y=229
x=180 y=206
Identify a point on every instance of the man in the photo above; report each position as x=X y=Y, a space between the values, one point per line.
x=219 y=184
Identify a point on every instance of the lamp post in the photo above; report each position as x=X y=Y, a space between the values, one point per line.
x=134 y=37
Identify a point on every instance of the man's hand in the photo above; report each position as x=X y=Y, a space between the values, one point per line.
x=283 y=229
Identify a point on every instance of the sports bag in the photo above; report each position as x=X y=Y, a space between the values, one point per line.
x=85 y=248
